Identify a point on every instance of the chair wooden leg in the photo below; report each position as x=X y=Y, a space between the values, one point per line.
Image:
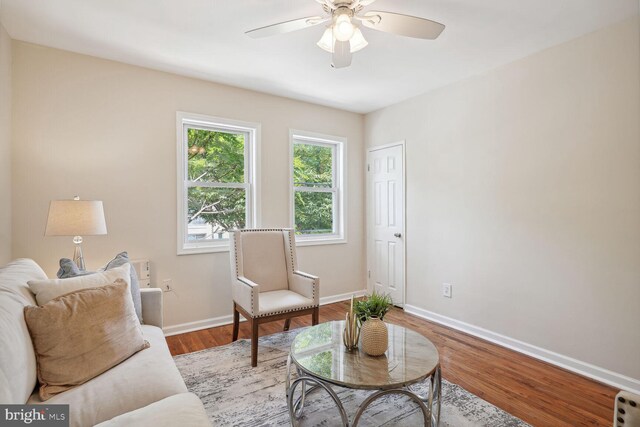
x=236 y=322
x=254 y=342
x=315 y=316
x=287 y=324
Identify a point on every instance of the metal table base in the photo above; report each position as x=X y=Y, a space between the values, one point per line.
x=429 y=404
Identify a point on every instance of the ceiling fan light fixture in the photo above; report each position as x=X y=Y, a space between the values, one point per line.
x=343 y=37
x=358 y=42
x=327 y=41
x=343 y=28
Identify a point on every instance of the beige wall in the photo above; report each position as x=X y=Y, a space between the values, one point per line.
x=523 y=191
x=5 y=146
x=105 y=130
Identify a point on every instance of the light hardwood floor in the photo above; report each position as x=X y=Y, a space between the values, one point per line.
x=538 y=393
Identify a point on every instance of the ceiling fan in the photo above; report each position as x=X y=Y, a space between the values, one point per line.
x=343 y=37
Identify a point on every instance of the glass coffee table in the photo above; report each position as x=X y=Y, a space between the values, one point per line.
x=319 y=360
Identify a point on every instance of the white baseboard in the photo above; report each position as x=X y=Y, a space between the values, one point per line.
x=181 y=328
x=341 y=297
x=597 y=373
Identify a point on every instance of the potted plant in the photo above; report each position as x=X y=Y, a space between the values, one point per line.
x=370 y=312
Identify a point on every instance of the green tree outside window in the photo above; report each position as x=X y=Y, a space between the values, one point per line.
x=217 y=185
x=314 y=197
x=215 y=158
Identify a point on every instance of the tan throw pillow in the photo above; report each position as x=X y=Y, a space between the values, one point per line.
x=46 y=290
x=80 y=335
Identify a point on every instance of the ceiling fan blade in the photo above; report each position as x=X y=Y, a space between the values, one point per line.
x=286 y=27
x=341 y=54
x=404 y=25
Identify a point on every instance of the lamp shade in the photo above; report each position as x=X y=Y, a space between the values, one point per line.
x=75 y=218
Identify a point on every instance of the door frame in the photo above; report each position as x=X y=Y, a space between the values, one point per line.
x=369 y=222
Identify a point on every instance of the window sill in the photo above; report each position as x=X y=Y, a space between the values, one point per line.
x=203 y=249
x=320 y=241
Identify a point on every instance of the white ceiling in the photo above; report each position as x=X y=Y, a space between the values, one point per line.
x=205 y=39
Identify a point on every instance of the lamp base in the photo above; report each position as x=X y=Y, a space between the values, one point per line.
x=78 y=258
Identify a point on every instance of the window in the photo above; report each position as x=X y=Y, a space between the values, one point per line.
x=317 y=182
x=216 y=181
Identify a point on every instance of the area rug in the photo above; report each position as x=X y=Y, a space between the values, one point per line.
x=234 y=394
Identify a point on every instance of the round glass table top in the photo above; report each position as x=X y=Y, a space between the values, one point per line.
x=319 y=352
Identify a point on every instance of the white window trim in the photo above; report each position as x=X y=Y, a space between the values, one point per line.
x=340 y=161
x=252 y=177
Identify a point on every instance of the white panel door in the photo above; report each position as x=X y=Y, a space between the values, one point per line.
x=385 y=213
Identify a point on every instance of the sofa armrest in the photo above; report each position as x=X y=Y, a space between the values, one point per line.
x=245 y=294
x=152 y=306
x=306 y=285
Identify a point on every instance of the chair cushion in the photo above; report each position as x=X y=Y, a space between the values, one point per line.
x=183 y=410
x=263 y=259
x=281 y=302
x=17 y=358
x=144 y=378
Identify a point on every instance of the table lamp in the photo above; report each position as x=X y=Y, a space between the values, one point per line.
x=76 y=218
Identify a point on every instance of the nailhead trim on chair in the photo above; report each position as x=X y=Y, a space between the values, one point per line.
x=286 y=311
x=293 y=267
x=235 y=250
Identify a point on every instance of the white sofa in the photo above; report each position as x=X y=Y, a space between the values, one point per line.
x=145 y=389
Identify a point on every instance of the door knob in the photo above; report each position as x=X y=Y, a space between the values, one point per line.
x=398 y=235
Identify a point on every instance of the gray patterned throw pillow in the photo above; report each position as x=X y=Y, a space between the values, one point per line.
x=68 y=269
x=121 y=259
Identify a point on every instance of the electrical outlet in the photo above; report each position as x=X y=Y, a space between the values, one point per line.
x=446 y=290
x=167 y=285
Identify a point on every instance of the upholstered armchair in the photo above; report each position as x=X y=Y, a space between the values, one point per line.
x=267 y=285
